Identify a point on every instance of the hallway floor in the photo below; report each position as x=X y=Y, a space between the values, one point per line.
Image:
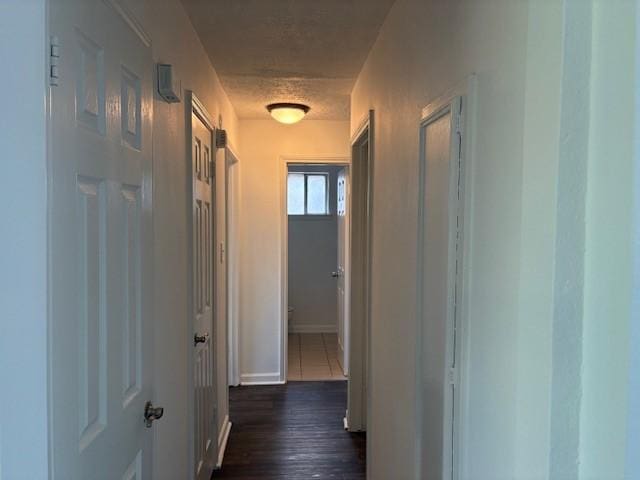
x=314 y=356
x=292 y=432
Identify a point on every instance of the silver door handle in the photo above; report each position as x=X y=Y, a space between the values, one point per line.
x=200 y=338
x=152 y=413
x=336 y=274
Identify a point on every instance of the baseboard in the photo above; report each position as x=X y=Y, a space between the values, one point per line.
x=222 y=440
x=341 y=354
x=303 y=328
x=261 y=379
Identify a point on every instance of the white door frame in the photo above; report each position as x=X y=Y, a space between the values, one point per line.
x=462 y=97
x=233 y=265
x=195 y=106
x=358 y=406
x=285 y=161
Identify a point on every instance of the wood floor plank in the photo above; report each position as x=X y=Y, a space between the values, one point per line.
x=292 y=432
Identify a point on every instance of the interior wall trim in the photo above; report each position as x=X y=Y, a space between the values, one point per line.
x=272 y=378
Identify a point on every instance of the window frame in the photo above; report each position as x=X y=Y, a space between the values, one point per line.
x=327 y=194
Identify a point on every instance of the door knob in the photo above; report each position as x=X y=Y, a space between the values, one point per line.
x=200 y=338
x=152 y=413
x=335 y=274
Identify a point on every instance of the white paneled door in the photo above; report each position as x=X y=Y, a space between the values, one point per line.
x=204 y=376
x=101 y=333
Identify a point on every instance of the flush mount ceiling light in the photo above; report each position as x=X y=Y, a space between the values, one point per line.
x=288 y=112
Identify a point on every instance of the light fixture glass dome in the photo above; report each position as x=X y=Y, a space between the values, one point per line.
x=288 y=112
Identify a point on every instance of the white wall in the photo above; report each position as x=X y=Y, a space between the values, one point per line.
x=424 y=49
x=633 y=416
x=23 y=246
x=262 y=143
x=174 y=41
x=313 y=255
x=606 y=412
x=548 y=325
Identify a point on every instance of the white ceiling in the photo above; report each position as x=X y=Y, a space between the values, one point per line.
x=307 y=51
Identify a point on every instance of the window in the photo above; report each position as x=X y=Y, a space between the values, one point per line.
x=308 y=193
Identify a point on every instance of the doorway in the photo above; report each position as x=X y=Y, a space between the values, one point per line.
x=313 y=326
x=314 y=312
x=233 y=266
x=209 y=393
x=204 y=301
x=359 y=275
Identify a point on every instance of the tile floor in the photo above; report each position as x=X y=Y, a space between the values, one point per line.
x=314 y=356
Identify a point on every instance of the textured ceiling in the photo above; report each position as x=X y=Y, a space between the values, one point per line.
x=307 y=51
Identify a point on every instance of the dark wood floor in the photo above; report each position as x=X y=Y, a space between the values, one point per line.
x=292 y=432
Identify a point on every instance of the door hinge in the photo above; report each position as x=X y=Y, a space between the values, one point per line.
x=453 y=376
x=459 y=125
x=54 y=61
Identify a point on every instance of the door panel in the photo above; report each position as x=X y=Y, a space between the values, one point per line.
x=435 y=269
x=91 y=320
x=100 y=256
x=440 y=235
x=132 y=319
x=204 y=378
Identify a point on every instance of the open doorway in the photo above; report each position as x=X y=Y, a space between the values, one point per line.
x=233 y=267
x=314 y=325
x=359 y=284
x=315 y=290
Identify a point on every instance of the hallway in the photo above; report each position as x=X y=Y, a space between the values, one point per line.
x=292 y=432
x=174 y=304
